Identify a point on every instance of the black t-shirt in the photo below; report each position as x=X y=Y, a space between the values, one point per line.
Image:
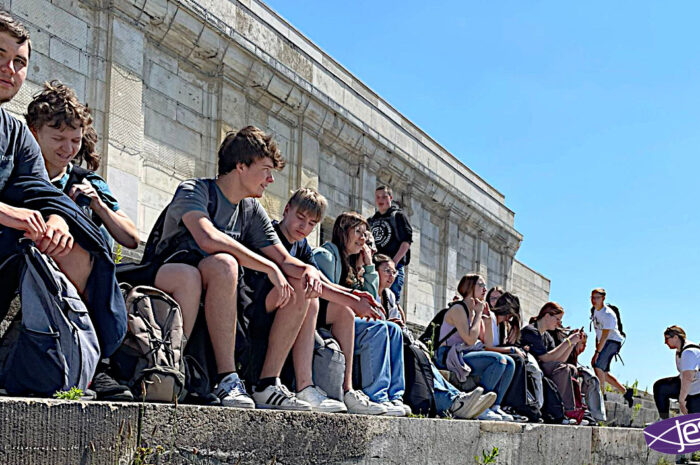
x=390 y=230
x=539 y=344
x=19 y=152
x=300 y=250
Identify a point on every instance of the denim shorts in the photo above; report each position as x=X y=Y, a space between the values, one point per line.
x=610 y=349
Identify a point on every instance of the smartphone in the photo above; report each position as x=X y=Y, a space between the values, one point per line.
x=83 y=200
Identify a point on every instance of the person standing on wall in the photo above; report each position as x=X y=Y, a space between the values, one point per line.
x=609 y=337
x=392 y=234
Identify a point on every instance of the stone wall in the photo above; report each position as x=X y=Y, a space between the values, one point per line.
x=167 y=78
x=54 y=432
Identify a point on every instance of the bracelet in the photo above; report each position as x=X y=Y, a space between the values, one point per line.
x=569 y=341
x=512 y=350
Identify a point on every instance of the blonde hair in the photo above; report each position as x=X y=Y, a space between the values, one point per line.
x=307 y=200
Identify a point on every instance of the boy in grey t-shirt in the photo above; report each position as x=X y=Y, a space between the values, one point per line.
x=217 y=225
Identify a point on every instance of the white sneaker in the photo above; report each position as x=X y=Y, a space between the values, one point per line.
x=484 y=402
x=498 y=410
x=278 y=397
x=232 y=393
x=463 y=405
x=393 y=410
x=399 y=403
x=319 y=400
x=490 y=415
x=357 y=402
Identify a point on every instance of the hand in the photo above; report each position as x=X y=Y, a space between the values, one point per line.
x=575 y=338
x=366 y=255
x=57 y=240
x=366 y=295
x=594 y=358
x=365 y=308
x=314 y=285
x=285 y=290
x=683 y=406
x=23 y=219
x=87 y=190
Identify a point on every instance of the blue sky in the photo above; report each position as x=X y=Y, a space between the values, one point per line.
x=585 y=115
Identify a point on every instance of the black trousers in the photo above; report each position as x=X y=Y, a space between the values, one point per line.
x=666 y=389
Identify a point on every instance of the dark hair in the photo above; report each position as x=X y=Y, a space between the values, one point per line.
x=56 y=105
x=491 y=291
x=384 y=188
x=509 y=305
x=341 y=227
x=550 y=308
x=246 y=146
x=467 y=283
x=380 y=259
x=16 y=29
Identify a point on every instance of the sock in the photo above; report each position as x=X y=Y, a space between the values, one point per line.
x=265 y=382
x=223 y=375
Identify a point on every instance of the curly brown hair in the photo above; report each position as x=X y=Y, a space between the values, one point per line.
x=246 y=146
x=58 y=106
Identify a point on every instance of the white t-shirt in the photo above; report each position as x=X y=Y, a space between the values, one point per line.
x=495 y=330
x=605 y=318
x=690 y=360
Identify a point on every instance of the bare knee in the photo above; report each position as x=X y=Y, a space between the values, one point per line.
x=219 y=267
x=178 y=277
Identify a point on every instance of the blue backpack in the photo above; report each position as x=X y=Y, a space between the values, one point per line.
x=57 y=346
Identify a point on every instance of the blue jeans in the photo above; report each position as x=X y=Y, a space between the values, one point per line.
x=398 y=282
x=379 y=354
x=445 y=393
x=495 y=371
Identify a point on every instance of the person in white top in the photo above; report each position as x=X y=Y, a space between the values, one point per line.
x=686 y=386
x=609 y=338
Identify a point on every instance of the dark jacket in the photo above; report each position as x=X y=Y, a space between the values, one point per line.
x=390 y=230
x=104 y=299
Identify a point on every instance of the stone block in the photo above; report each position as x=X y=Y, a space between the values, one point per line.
x=172 y=133
x=54 y=20
x=125 y=187
x=175 y=87
x=127 y=46
x=42 y=68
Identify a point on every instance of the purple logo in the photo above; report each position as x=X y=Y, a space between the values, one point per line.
x=677 y=435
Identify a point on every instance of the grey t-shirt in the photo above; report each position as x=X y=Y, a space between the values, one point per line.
x=19 y=152
x=247 y=222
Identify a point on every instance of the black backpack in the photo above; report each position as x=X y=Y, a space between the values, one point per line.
x=431 y=335
x=418 y=374
x=553 y=408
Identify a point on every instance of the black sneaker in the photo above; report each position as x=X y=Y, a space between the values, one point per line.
x=107 y=388
x=629 y=397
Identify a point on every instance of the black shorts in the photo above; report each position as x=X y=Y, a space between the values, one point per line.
x=144 y=274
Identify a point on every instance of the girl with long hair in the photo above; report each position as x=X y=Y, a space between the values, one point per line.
x=552 y=358
x=378 y=345
x=494 y=370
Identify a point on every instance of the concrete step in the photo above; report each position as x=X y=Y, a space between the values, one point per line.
x=34 y=432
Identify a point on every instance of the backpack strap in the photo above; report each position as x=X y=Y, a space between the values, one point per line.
x=687 y=346
x=76 y=176
x=454 y=330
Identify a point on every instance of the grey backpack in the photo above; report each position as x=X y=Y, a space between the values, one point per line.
x=57 y=347
x=150 y=358
x=328 y=364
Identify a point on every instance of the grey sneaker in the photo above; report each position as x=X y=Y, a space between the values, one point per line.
x=278 y=397
x=463 y=405
x=319 y=400
x=498 y=410
x=357 y=402
x=490 y=415
x=232 y=393
x=399 y=403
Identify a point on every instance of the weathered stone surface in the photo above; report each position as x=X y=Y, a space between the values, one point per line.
x=59 y=432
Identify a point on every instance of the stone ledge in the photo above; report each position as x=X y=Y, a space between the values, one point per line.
x=47 y=431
